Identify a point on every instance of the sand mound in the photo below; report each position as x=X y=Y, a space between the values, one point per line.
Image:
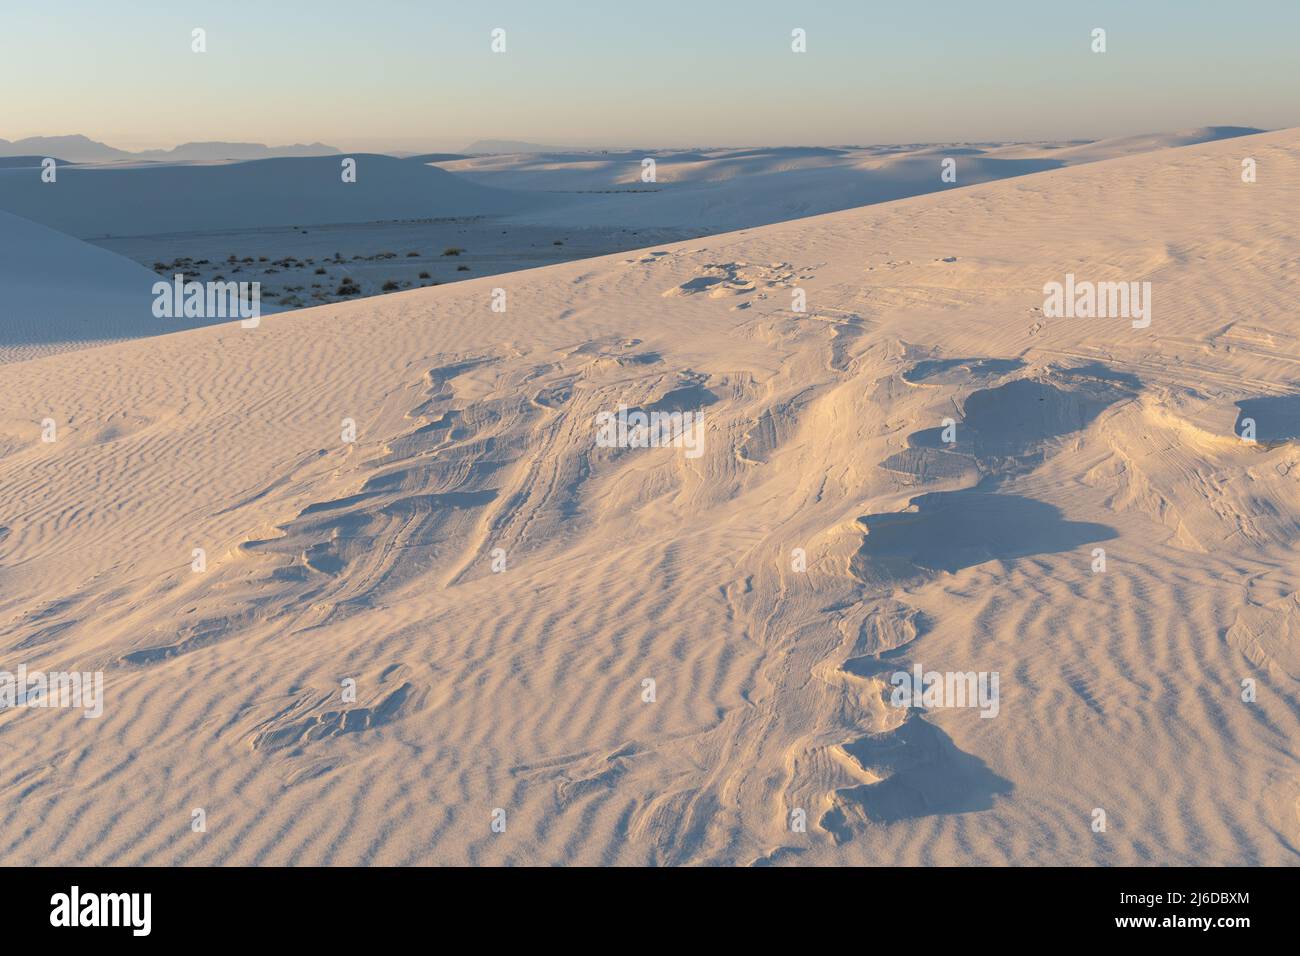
x=724 y=189
x=149 y=198
x=60 y=293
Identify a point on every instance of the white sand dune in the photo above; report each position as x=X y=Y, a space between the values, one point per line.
x=523 y=689
x=58 y=293
x=727 y=189
x=149 y=198
x=1118 y=146
x=280 y=221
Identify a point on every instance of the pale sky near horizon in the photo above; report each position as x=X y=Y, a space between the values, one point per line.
x=415 y=74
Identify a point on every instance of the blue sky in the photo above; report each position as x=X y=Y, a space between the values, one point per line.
x=419 y=74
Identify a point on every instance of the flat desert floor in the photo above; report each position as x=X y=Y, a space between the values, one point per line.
x=643 y=656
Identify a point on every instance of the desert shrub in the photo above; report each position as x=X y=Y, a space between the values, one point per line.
x=452 y=251
x=392 y=285
x=424 y=275
x=320 y=271
x=462 y=268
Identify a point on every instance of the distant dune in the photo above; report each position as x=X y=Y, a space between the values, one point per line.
x=90 y=202
x=697 y=192
x=633 y=655
x=509 y=146
x=433 y=157
x=28 y=162
x=718 y=190
x=1128 y=145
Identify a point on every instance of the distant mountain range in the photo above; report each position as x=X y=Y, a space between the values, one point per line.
x=81 y=149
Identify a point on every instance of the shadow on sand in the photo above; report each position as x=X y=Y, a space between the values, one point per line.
x=952 y=530
x=925 y=774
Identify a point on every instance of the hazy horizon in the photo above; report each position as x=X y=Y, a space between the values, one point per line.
x=942 y=73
